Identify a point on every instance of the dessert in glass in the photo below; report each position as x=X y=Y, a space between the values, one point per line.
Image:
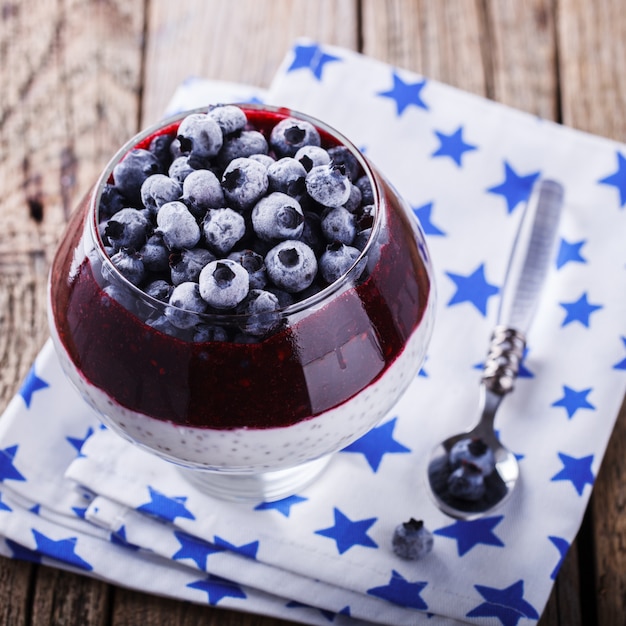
x=243 y=294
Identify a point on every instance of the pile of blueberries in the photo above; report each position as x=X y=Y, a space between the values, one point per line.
x=471 y=461
x=221 y=218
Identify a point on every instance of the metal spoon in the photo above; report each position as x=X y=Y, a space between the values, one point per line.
x=471 y=473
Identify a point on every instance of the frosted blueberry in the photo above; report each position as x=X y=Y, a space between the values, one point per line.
x=229 y=118
x=474 y=451
x=244 y=182
x=312 y=232
x=287 y=175
x=111 y=201
x=312 y=156
x=186 y=265
x=336 y=260
x=365 y=187
x=159 y=289
x=132 y=170
x=185 y=305
x=354 y=201
x=242 y=145
x=160 y=146
x=328 y=185
x=224 y=283
x=339 y=225
x=222 y=229
x=209 y=332
x=254 y=264
x=361 y=238
x=467 y=482
x=163 y=325
x=264 y=159
x=202 y=191
x=340 y=155
x=155 y=254
x=159 y=189
x=412 y=540
x=200 y=138
x=261 y=307
x=277 y=217
x=128 y=228
x=180 y=169
x=290 y=134
x=129 y=265
x=291 y=265
x=178 y=226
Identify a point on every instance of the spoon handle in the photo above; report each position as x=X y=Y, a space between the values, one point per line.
x=526 y=273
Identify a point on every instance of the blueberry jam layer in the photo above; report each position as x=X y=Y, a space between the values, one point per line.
x=312 y=365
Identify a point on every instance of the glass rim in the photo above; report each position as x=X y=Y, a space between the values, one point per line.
x=229 y=317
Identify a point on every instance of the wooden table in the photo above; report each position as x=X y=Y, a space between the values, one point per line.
x=78 y=78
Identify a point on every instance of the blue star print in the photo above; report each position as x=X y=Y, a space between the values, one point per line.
x=473 y=532
x=31 y=384
x=405 y=94
x=3 y=506
x=165 y=507
x=562 y=546
x=7 y=469
x=515 y=188
x=195 y=549
x=423 y=214
x=400 y=591
x=119 y=539
x=218 y=588
x=312 y=58
x=282 y=506
x=22 y=553
x=570 y=253
x=618 y=179
x=376 y=443
x=328 y=615
x=473 y=288
x=248 y=550
x=622 y=364
x=452 y=146
x=508 y=604
x=579 y=311
x=77 y=443
x=578 y=471
x=62 y=550
x=573 y=400
x=347 y=533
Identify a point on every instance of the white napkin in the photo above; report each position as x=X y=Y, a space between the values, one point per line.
x=466 y=166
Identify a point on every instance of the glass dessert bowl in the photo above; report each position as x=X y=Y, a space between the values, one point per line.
x=242 y=316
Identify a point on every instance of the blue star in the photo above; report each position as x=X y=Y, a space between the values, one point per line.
x=470 y=533
x=312 y=58
x=562 y=546
x=347 y=533
x=77 y=442
x=62 y=549
x=3 y=506
x=573 y=400
x=578 y=471
x=7 y=469
x=218 y=588
x=622 y=364
x=165 y=507
x=423 y=214
x=473 y=288
x=515 y=188
x=35 y=509
x=80 y=511
x=453 y=145
x=400 y=591
x=376 y=443
x=22 y=553
x=32 y=383
x=195 y=549
x=570 y=253
x=249 y=549
x=118 y=538
x=327 y=615
x=405 y=94
x=579 y=311
x=508 y=604
x=282 y=506
x=618 y=179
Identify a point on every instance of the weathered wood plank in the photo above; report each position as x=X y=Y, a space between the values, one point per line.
x=15 y=578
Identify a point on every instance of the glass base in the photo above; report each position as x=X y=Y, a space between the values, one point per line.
x=256 y=487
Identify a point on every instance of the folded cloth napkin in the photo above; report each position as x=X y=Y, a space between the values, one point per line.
x=74 y=494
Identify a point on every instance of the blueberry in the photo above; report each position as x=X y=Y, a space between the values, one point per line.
x=222 y=229
x=290 y=134
x=159 y=189
x=312 y=156
x=365 y=187
x=244 y=182
x=163 y=325
x=128 y=228
x=178 y=226
x=132 y=170
x=287 y=175
x=209 y=332
x=285 y=299
x=337 y=260
x=277 y=217
x=354 y=201
x=340 y=155
x=261 y=308
x=155 y=254
x=129 y=265
x=361 y=239
x=467 y=482
x=186 y=265
x=412 y=540
x=160 y=146
x=112 y=200
x=200 y=138
x=180 y=169
x=291 y=265
x=242 y=145
x=312 y=232
x=254 y=264
x=229 y=118
x=224 y=283
x=185 y=305
x=264 y=159
x=339 y=225
x=159 y=290
x=474 y=451
x=364 y=216
x=202 y=191
x=328 y=185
